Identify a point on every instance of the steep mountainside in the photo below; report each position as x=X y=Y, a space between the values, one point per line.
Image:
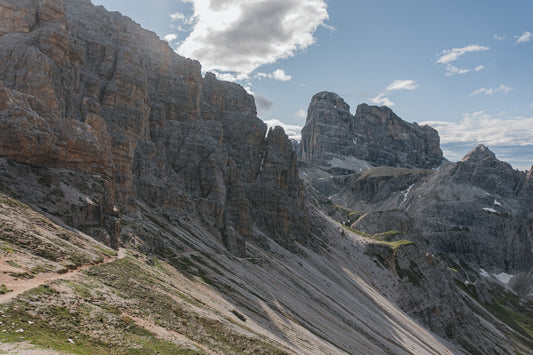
x=473 y=216
x=477 y=210
x=89 y=91
x=186 y=226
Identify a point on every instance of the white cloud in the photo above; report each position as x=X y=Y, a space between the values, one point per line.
x=402 y=85
x=381 y=100
x=452 y=69
x=177 y=16
x=170 y=37
x=525 y=37
x=329 y=27
x=451 y=55
x=491 y=91
x=499 y=38
x=293 y=131
x=239 y=36
x=480 y=127
x=301 y=113
x=278 y=74
x=229 y=76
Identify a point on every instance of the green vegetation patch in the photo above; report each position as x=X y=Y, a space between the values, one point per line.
x=42 y=317
x=14 y=264
x=135 y=282
x=21 y=275
x=379 y=238
x=4 y=289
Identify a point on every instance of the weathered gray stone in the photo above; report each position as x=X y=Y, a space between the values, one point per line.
x=374 y=134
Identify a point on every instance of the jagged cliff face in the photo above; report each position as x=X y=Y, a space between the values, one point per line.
x=374 y=134
x=90 y=91
x=477 y=210
x=482 y=211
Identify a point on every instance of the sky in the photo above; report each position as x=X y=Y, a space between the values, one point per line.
x=465 y=67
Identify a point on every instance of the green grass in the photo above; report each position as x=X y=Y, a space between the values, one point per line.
x=378 y=238
x=14 y=264
x=4 y=289
x=108 y=252
x=397 y=244
x=21 y=275
x=387 y=235
x=47 y=323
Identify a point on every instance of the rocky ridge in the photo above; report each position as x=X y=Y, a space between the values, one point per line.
x=374 y=134
x=108 y=98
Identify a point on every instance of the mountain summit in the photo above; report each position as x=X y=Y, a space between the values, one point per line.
x=374 y=134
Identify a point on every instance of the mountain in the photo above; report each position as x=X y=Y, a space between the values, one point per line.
x=473 y=216
x=374 y=134
x=145 y=207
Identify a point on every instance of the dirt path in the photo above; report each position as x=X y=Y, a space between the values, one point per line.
x=19 y=286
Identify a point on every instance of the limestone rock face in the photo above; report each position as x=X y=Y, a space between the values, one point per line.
x=278 y=195
x=374 y=134
x=477 y=210
x=385 y=139
x=328 y=128
x=89 y=91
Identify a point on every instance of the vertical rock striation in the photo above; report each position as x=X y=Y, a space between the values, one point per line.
x=89 y=91
x=374 y=134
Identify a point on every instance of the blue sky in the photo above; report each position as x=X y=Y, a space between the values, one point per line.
x=464 y=67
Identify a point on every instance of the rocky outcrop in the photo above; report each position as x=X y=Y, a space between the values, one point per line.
x=89 y=91
x=471 y=210
x=373 y=134
x=477 y=210
x=328 y=128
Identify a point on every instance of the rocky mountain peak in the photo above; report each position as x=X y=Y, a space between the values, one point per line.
x=377 y=111
x=374 y=134
x=479 y=153
x=325 y=99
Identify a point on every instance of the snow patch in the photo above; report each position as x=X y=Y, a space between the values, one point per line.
x=405 y=193
x=503 y=277
x=497 y=203
x=491 y=210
